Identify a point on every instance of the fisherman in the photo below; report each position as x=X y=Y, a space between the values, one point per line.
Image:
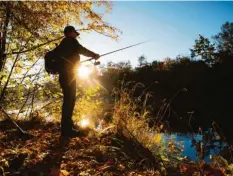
x=70 y=50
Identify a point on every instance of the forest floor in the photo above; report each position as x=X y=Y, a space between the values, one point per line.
x=45 y=152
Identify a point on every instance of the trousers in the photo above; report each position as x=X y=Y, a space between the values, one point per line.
x=67 y=82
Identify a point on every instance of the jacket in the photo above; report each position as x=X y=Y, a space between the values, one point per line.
x=70 y=49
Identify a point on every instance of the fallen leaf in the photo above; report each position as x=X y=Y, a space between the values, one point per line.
x=106 y=168
x=64 y=172
x=122 y=167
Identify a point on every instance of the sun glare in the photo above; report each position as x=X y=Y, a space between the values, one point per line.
x=84 y=71
x=84 y=123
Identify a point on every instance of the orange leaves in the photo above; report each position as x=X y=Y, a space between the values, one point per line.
x=58 y=172
x=194 y=169
x=47 y=155
x=188 y=169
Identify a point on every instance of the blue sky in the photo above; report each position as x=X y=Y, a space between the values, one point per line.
x=172 y=27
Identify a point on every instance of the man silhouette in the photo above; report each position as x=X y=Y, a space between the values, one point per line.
x=70 y=50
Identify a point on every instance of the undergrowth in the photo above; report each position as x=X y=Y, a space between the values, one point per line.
x=126 y=131
x=131 y=117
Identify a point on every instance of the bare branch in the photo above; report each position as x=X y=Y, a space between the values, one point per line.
x=43 y=44
x=35 y=47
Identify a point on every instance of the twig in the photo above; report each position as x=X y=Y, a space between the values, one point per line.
x=25 y=75
x=8 y=79
x=35 y=47
x=17 y=126
x=23 y=103
x=33 y=95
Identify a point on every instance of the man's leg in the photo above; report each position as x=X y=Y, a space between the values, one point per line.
x=68 y=86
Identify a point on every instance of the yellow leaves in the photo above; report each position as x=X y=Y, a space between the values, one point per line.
x=84 y=173
x=230 y=168
x=222 y=162
x=88 y=4
x=4 y=162
x=164 y=158
x=17 y=69
x=64 y=172
x=44 y=18
x=157 y=138
x=58 y=172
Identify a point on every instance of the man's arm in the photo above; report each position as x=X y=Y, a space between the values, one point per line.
x=84 y=51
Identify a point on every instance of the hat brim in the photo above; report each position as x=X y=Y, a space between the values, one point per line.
x=77 y=32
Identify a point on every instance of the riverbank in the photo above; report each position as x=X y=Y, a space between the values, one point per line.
x=46 y=153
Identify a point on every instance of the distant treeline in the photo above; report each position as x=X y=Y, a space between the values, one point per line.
x=202 y=84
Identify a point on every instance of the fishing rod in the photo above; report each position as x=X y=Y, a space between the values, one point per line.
x=97 y=63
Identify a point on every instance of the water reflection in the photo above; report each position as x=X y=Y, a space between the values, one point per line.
x=199 y=146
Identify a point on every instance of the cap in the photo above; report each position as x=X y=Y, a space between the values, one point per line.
x=69 y=29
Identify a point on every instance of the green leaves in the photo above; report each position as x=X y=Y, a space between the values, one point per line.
x=211 y=52
x=224 y=39
x=204 y=49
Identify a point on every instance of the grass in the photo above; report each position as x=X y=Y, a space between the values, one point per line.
x=131 y=117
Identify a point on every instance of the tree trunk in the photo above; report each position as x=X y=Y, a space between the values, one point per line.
x=3 y=35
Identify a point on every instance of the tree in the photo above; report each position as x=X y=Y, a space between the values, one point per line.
x=185 y=60
x=204 y=49
x=158 y=65
x=29 y=29
x=142 y=61
x=32 y=23
x=224 y=39
x=118 y=68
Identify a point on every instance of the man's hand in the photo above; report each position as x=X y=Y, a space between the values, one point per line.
x=96 y=56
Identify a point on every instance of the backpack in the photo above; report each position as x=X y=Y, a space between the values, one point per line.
x=52 y=62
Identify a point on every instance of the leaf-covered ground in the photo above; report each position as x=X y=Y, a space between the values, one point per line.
x=47 y=153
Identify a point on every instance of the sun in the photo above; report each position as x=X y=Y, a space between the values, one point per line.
x=84 y=123
x=84 y=71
